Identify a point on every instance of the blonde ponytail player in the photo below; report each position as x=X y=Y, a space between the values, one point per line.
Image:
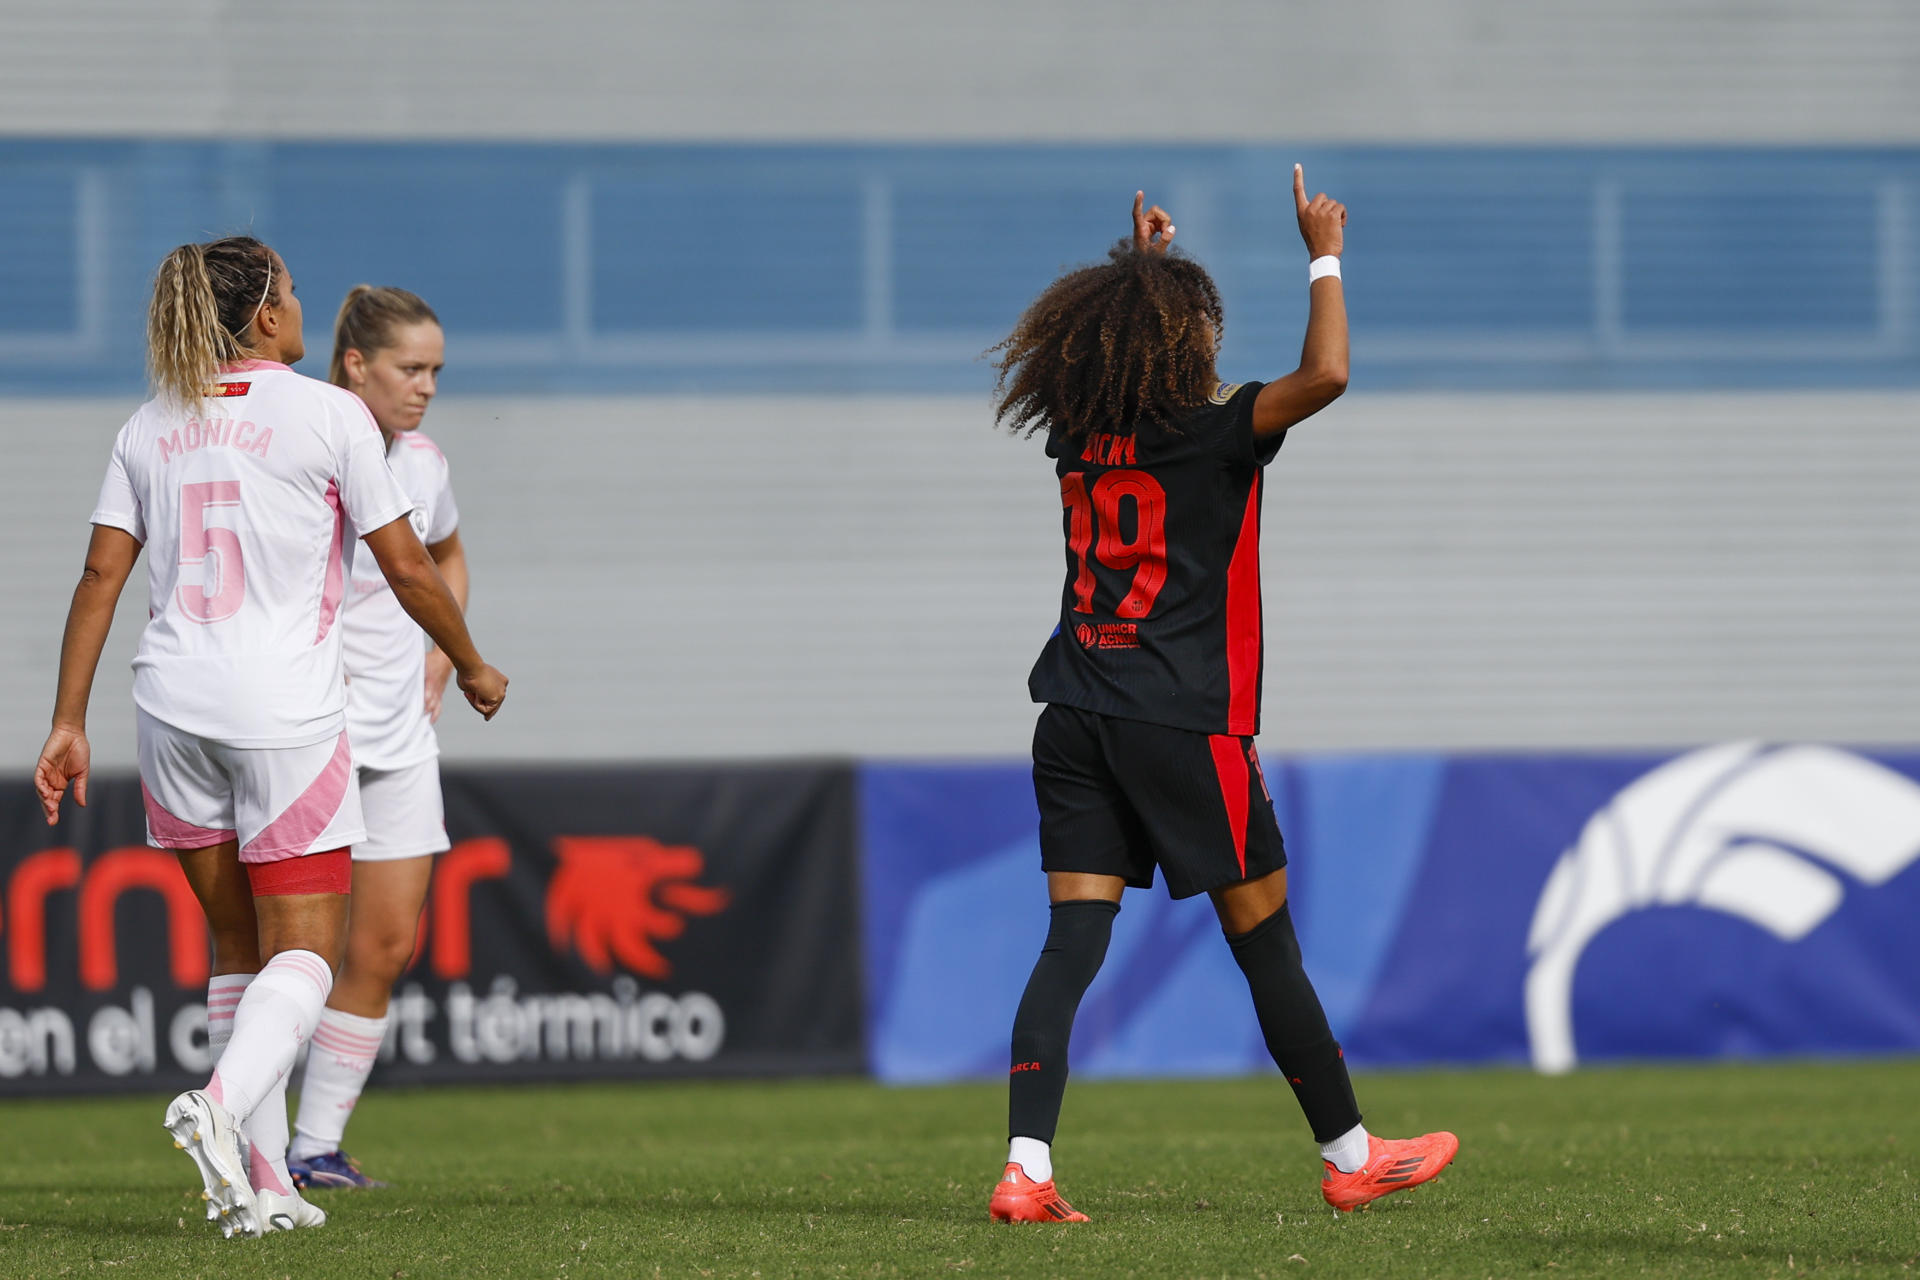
x=388 y=349
x=249 y=488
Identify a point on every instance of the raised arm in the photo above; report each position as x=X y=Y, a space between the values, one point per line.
x=66 y=757
x=423 y=593
x=1322 y=374
x=1152 y=228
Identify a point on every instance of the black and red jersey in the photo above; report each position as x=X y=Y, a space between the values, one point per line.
x=1160 y=618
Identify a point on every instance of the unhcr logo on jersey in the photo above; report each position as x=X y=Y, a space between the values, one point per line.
x=1765 y=834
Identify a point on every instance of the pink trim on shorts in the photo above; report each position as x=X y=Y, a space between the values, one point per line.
x=169 y=832
x=292 y=834
x=336 y=575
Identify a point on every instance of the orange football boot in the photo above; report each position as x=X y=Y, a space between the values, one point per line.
x=1019 y=1198
x=1393 y=1164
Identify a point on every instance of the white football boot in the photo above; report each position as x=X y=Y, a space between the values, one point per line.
x=246 y=1162
x=285 y=1212
x=206 y=1131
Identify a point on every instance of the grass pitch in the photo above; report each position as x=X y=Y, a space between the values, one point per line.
x=1730 y=1171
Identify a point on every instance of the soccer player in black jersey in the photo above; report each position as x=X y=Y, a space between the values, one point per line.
x=1144 y=755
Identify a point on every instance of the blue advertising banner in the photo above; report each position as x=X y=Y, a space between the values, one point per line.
x=1739 y=900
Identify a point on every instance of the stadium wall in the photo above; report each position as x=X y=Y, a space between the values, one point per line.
x=836 y=268
x=732 y=490
x=754 y=70
x=709 y=576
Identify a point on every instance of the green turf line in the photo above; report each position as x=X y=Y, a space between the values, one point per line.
x=1735 y=1171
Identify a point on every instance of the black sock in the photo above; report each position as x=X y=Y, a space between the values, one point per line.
x=1295 y=1026
x=1076 y=944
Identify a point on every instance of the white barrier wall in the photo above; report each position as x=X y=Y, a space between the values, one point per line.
x=670 y=577
x=764 y=70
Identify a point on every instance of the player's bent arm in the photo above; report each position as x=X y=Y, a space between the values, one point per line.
x=1322 y=374
x=424 y=594
x=66 y=757
x=451 y=557
x=110 y=559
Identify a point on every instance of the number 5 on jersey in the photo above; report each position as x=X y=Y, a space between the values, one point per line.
x=223 y=582
x=1094 y=522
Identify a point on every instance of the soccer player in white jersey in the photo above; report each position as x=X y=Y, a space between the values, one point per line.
x=248 y=486
x=388 y=349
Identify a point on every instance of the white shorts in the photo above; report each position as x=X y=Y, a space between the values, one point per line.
x=405 y=815
x=279 y=802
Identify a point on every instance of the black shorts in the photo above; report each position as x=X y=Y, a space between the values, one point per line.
x=1120 y=797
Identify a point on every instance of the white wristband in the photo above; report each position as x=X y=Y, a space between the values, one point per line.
x=1322 y=267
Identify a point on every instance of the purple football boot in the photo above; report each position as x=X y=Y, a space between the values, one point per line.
x=334 y=1169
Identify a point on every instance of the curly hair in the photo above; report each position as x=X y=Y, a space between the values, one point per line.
x=1111 y=347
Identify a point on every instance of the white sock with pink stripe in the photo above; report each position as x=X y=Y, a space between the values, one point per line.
x=223 y=997
x=273 y=1019
x=344 y=1047
x=267 y=1143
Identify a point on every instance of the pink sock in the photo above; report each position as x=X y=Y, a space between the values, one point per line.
x=223 y=997
x=274 y=1018
x=267 y=1142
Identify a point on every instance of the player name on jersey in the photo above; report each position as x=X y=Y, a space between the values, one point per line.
x=1109 y=450
x=215 y=433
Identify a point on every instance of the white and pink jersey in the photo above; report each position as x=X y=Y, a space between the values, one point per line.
x=386 y=651
x=249 y=505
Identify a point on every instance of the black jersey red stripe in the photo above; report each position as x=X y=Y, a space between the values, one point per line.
x=1244 y=619
x=1160 y=616
x=1230 y=765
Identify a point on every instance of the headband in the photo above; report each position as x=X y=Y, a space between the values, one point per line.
x=260 y=305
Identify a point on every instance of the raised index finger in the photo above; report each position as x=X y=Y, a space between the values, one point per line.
x=1139 y=202
x=1299 y=189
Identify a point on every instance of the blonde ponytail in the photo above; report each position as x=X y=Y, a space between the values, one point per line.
x=205 y=297
x=369 y=322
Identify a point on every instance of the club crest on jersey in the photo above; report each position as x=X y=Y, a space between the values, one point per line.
x=1225 y=392
x=225 y=389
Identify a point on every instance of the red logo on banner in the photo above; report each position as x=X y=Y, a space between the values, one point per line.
x=614 y=897
x=451 y=903
x=50 y=871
